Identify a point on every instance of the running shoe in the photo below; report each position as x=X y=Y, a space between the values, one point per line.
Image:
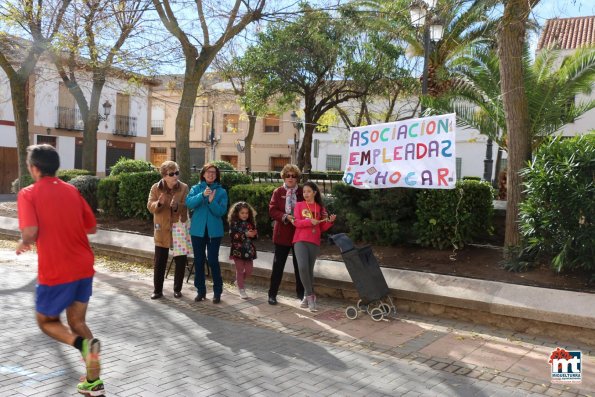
x=91 y=389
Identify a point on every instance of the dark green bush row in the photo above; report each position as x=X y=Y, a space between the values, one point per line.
x=393 y=216
x=107 y=196
x=558 y=215
x=379 y=216
x=228 y=179
x=87 y=185
x=65 y=175
x=23 y=182
x=134 y=191
x=454 y=217
x=223 y=165
x=258 y=196
x=128 y=166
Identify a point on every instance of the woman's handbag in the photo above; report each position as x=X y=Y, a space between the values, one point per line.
x=180 y=234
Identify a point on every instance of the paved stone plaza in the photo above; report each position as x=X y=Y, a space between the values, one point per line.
x=182 y=348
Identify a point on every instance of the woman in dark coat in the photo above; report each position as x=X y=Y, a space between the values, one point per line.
x=281 y=208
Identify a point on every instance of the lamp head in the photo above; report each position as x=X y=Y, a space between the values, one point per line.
x=436 y=29
x=241 y=145
x=418 y=11
x=107 y=108
x=295 y=120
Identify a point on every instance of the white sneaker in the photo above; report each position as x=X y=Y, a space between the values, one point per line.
x=243 y=294
x=304 y=302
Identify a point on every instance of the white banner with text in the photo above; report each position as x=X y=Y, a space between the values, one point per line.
x=415 y=153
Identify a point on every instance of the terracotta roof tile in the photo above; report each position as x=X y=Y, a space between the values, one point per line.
x=568 y=33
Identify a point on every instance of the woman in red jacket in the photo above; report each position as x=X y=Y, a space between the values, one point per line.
x=281 y=207
x=311 y=220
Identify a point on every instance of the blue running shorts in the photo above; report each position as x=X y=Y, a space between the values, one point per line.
x=53 y=300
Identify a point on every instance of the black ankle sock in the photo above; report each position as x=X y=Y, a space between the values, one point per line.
x=91 y=381
x=78 y=343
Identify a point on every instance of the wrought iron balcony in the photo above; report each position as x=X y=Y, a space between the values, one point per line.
x=156 y=127
x=69 y=119
x=125 y=126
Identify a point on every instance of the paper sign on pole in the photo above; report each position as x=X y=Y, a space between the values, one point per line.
x=416 y=153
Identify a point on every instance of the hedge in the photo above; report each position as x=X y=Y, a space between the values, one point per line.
x=223 y=165
x=18 y=184
x=134 y=193
x=258 y=196
x=128 y=166
x=87 y=186
x=454 y=217
x=557 y=217
x=229 y=179
x=379 y=216
x=107 y=196
x=67 y=175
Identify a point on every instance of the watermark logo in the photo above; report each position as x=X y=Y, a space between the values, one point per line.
x=566 y=366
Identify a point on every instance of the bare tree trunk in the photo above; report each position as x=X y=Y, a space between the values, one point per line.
x=197 y=63
x=305 y=153
x=510 y=52
x=18 y=92
x=248 y=140
x=185 y=110
x=92 y=124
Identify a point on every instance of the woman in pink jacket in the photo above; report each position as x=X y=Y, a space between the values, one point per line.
x=311 y=219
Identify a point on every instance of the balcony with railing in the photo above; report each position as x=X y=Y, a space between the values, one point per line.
x=156 y=127
x=69 y=119
x=125 y=126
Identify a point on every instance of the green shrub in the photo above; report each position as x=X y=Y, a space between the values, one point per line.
x=440 y=224
x=107 y=195
x=378 y=216
x=87 y=185
x=223 y=165
x=194 y=179
x=231 y=179
x=471 y=178
x=128 y=166
x=67 y=175
x=134 y=193
x=228 y=179
x=557 y=217
x=258 y=196
x=18 y=184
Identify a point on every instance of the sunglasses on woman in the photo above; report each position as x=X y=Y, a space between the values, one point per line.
x=174 y=173
x=290 y=176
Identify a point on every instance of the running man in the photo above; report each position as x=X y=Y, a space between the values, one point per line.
x=54 y=215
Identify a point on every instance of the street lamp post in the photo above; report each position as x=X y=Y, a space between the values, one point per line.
x=422 y=16
x=298 y=125
x=213 y=139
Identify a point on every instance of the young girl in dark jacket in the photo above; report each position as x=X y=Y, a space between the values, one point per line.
x=242 y=229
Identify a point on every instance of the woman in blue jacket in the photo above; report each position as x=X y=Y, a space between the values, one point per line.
x=208 y=200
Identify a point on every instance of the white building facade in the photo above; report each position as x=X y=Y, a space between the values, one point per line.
x=54 y=118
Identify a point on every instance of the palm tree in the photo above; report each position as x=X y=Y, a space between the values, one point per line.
x=551 y=92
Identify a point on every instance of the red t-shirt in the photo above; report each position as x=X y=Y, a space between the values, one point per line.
x=62 y=216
